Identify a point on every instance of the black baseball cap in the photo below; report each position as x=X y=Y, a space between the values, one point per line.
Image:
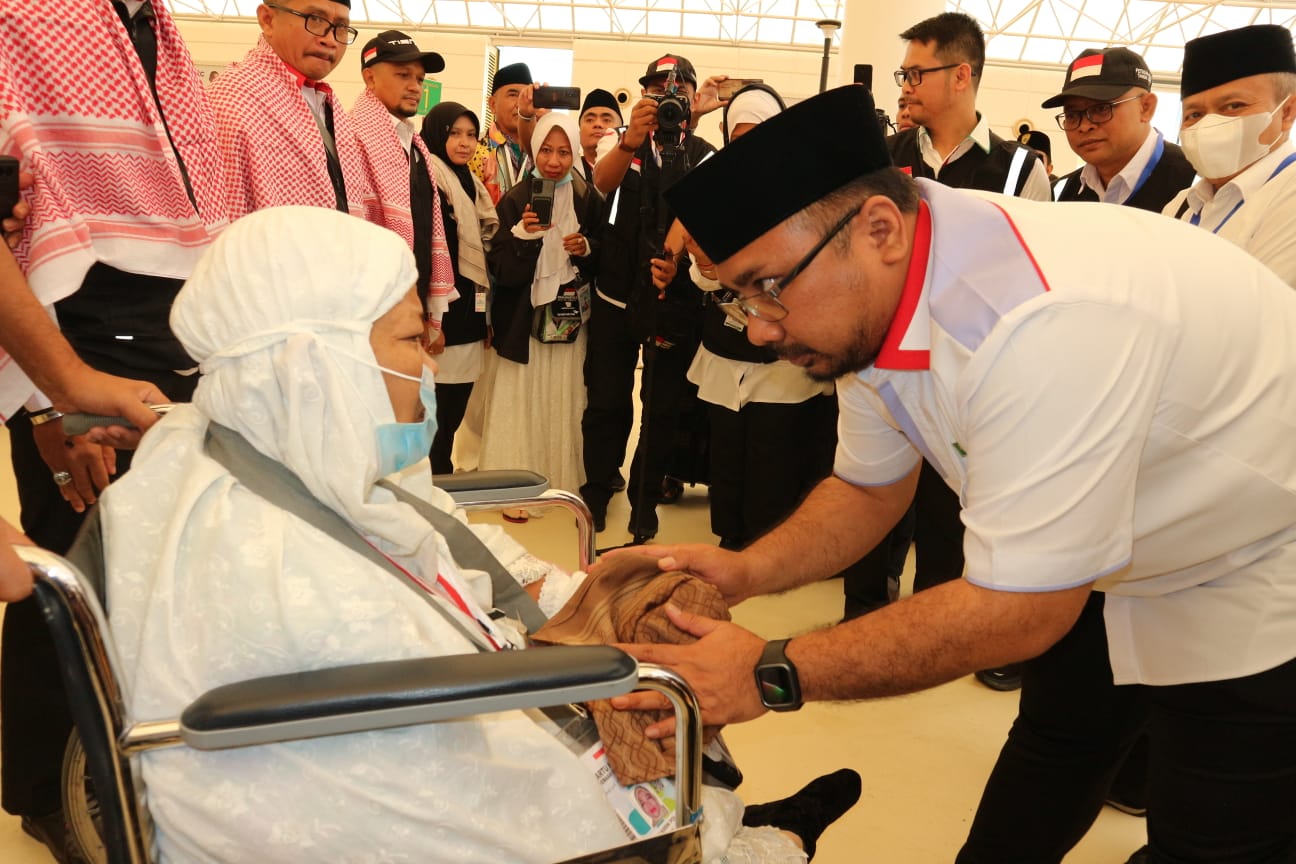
x=393 y=46
x=1102 y=74
x=663 y=66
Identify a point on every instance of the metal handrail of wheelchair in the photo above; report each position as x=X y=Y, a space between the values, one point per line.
x=99 y=655
x=553 y=498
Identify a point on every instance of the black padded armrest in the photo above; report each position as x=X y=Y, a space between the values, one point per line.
x=402 y=693
x=484 y=486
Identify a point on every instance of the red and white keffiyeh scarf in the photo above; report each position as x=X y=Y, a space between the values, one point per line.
x=271 y=144
x=76 y=109
x=388 y=172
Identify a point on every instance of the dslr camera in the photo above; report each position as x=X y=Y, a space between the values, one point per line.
x=673 y=109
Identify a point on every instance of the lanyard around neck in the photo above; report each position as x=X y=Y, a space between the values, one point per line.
x=1150 y=167
x=1196 y=217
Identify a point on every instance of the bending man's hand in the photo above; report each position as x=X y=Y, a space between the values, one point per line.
x=730 y=572
x=720 y=667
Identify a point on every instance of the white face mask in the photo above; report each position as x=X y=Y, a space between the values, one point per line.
x=1219 y=146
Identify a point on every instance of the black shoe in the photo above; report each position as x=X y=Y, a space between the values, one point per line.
x=1133 y=808
x=643 y=527
x=733 y=544
x=672 y=490
x=52 y=832
x=806 y=814
x=617 y=483
x=1142 y=856
x=1003 y=679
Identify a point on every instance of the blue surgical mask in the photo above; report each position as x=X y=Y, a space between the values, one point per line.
x=401 y=445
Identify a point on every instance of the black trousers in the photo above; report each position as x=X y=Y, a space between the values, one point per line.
x=34 y=719
x=936 y=531
x=612 y=353
x=1222 y=761
x=764 y=459
x=663 y=394
x=452 y=402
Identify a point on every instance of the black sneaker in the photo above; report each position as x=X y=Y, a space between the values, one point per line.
x=643 y=526
x=806 y=814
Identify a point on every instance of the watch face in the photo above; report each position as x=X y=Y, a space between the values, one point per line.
x=777 y=686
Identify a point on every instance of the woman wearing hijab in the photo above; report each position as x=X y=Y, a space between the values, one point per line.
x=450 y=132
x=542 y=273
x=315 y=381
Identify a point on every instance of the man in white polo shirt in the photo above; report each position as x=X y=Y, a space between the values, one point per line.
x=1239 y=103
x=1127 y=478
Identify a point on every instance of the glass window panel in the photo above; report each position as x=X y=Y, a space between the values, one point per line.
x=1163 y=59
x=664 y=24
x=592 y=20
x=1005 y=47
x=556 y=17
x=746 y=28
x=629 y=22
x=1043 y=50
x=451 y=13
x=778 y=30
x=702 y=26
x=481 y=14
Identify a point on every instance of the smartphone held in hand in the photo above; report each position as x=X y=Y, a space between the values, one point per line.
x=542 y=196
x=9 y=195
x=557 y=97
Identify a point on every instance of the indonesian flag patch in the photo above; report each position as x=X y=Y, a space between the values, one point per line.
x=1087 y=67
x=370 y=54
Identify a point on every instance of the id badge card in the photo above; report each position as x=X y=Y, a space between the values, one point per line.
x=479 y=299
x=586 y=297
x=566 y=306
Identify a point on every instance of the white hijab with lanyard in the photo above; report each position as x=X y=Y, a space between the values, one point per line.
x=554 y=268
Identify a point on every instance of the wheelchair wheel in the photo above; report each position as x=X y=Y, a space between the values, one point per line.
x=81 y=806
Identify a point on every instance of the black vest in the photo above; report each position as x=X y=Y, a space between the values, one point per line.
x=633 y=212
x=421 y=216
x=1172 y=175
x=975 y=169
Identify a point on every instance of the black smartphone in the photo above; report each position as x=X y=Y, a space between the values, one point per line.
x=557 y=97
x=542 y=195
x=9 y=195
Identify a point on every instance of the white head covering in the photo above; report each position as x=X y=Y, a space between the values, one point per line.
x=751 y=106
x=278 y=314
x=554 y=267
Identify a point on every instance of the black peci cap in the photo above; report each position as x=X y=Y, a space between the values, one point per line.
x=514 y=73
x=725 y=210
x=1210 y=61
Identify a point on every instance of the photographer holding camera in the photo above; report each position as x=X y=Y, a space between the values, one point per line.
x=633 y=169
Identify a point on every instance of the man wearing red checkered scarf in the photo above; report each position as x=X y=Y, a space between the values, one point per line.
x=283 y=135
x=102 y=105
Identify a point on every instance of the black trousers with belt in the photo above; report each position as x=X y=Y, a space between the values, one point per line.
x=1222 y=761
x=34 y=719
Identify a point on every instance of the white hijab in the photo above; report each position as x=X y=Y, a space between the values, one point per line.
x=554 y=268
x=278 y=314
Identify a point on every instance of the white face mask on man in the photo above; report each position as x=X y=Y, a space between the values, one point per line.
x=1219 y=146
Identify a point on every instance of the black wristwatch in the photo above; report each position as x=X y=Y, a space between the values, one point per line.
x=776 y=678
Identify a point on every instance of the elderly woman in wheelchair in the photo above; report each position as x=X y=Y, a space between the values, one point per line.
x=252 y=537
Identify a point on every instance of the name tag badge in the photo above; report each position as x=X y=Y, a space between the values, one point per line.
x=585 y=296
x=479 y=299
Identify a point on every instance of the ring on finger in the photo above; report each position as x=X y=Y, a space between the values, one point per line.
x=62 y=478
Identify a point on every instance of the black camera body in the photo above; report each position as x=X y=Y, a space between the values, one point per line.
x=673 y=111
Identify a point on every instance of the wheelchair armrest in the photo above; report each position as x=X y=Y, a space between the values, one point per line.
x=480 y=487
x=371 y=696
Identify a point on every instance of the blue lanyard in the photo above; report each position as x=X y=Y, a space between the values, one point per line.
x=1196 y=217
x=1151 y=166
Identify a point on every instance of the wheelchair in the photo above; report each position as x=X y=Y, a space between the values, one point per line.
x=107 y=808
